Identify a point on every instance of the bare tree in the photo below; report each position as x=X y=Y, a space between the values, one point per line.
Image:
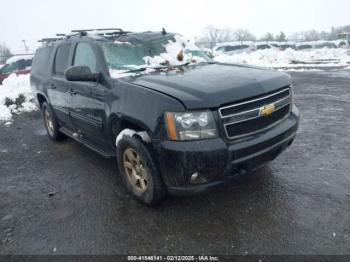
x=243 y=35
x=213 y=35
x=268 y=37
x=281 y=37
x=5 y=53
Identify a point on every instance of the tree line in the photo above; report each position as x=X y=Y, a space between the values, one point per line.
x=212 y=35
x=5 y=53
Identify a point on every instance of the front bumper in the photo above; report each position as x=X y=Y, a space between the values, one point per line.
x=217 y=160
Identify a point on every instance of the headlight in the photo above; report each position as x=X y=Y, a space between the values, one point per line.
x=190 y=125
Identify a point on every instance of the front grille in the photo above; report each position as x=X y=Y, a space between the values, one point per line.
x=245 y=118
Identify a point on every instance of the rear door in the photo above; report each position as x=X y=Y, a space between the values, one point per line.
x=88 y=102
x=59 y=90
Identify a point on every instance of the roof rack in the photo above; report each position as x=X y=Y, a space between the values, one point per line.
x=98 y=29
x=114 y=31
x=83 y=32
x=47 y=40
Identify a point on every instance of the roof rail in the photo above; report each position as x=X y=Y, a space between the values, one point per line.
x=98 y=29
x=83 y=32
x=46 y=40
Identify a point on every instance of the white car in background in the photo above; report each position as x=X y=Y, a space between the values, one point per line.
x=264 y=46
x=341 y=43
x=304 y=46
x=230 y=48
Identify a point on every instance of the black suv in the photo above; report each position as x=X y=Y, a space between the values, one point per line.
x=177 y=121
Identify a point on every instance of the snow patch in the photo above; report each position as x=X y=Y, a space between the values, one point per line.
x=172 y=48
x=5 y=113
x=16 y=96
x=324 y=57
x=121 y=43
x=300 y=70
x=130 y=132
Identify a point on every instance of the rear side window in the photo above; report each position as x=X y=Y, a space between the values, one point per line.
x=41 y=60
x=84 y=56
x=24 y=64
x=61 y=59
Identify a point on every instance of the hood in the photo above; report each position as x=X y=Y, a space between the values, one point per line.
x=213 y=85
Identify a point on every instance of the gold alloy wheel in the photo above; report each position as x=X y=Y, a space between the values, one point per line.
x=48 y=122
x=136 y=172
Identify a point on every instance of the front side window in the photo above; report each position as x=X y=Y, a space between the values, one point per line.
x=84 y=56
x=61 y=59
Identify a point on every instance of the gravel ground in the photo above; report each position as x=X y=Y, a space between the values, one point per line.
x=63 y=198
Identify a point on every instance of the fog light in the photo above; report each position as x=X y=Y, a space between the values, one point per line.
x=197 y=179
x=194 y=177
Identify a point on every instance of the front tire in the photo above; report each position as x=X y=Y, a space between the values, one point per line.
x=139 y=172
x=51 y=123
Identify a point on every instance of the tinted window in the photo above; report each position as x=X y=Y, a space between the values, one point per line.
x=41 y=60
x=222 y=49
x=230 y=48
x=24 y=64
x=304 y=46
x=61 y=59
x=233 y=48
x=84 y=56
x=262 y=47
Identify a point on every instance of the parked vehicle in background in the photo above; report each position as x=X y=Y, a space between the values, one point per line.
x=230 y=48
x=287 y=45
x=325 y=45
x=304 y=46
x=275 y=44
x=177 y=121
x=264 y=46
x=19 y=65
x=341 y=43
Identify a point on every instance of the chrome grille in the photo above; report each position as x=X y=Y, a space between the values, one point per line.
x=245 y=118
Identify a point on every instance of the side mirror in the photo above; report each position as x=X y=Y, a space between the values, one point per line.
x=208 y=53
x=81 y=73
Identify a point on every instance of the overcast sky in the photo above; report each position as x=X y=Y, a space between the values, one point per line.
x=34 y=19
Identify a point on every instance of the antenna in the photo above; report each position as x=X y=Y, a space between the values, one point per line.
x=26 y=49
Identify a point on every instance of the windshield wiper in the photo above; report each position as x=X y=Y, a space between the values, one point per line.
x=141 y=69
x=137 y=70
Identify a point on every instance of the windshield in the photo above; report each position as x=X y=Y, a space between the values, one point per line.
x=167 y=51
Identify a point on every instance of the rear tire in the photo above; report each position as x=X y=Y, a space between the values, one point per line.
x=139 y=172
x=51 y=123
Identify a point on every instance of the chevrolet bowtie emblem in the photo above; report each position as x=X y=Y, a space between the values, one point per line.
x=267 y=110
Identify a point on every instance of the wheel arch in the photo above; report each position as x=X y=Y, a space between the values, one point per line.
x=117 y=123
x=41 y=98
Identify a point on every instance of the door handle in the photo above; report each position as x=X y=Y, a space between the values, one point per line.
x=72 y=92
x=52 y=86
